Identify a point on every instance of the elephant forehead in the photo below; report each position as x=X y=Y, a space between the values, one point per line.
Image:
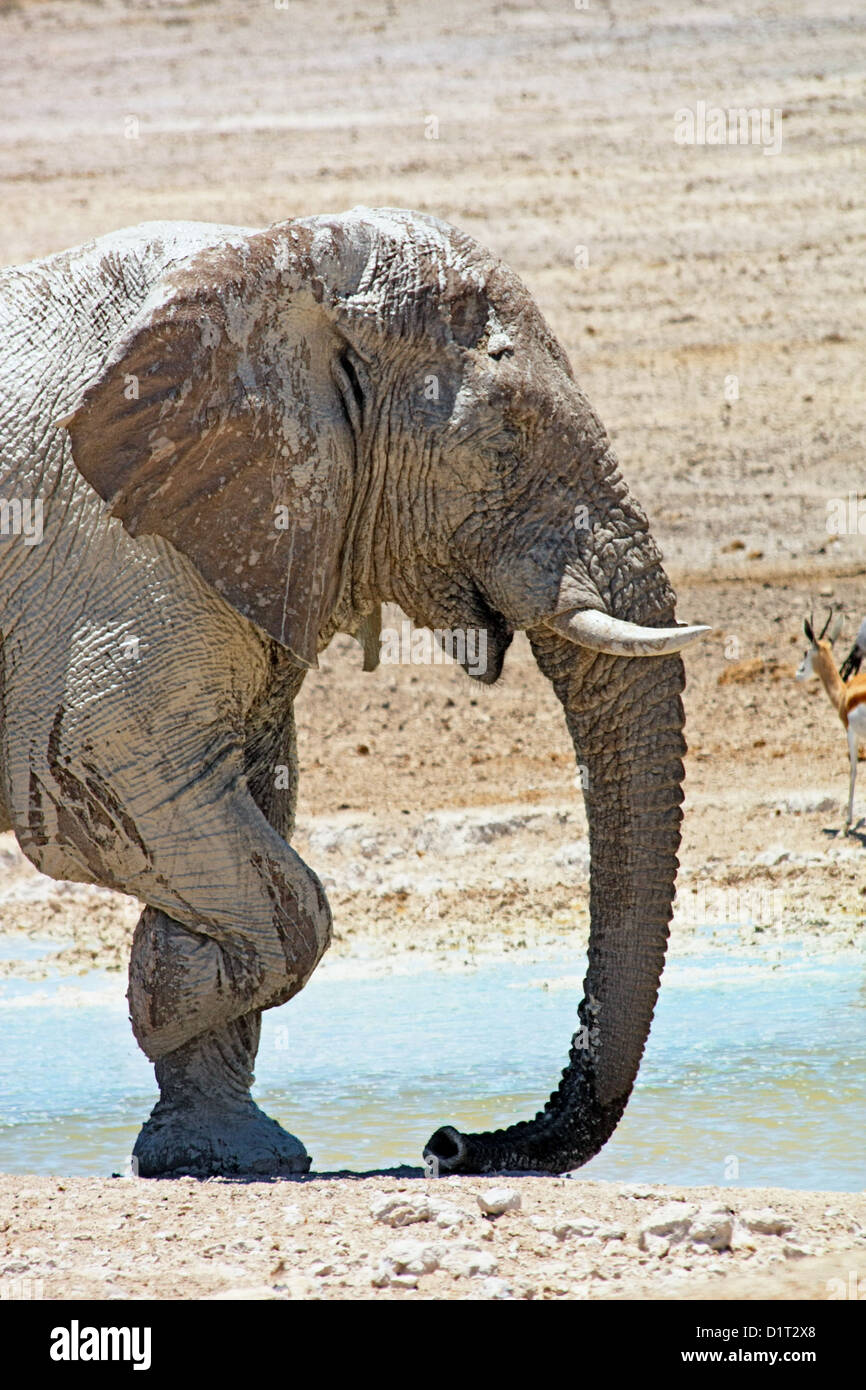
x=413 y=263
x=419 y=237
x=407 y=272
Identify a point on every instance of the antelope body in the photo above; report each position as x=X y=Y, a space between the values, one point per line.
x=848 y=699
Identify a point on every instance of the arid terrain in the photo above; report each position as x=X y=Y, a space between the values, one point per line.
x=711 y=300
x=407 y=1238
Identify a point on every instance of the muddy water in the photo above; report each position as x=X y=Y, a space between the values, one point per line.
x=754 y=1074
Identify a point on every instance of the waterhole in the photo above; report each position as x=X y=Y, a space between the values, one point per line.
x=754 y=1073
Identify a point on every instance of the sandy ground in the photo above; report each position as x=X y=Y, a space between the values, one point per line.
x=442 y=815
x=402 y=1237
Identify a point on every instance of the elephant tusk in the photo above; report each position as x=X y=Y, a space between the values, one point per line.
x=601 y=633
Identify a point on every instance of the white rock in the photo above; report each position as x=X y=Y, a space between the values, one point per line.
x=712 y=1226
x=670 y=1222
x=468 y=1262
x=581 y=1228
x=446 y=1214
x=546 y=1242
x=742 y=1238
x=765 y=1221
x=578 y=1227
x=654 y=1245
x=384 y=1277
x=411 y=1257
x=400 y=1209
x=298 y=1287
x=497 y=1200
x=636 y=1191
x=496 y=1289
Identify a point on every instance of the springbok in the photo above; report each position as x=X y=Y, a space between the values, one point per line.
x=849 y=700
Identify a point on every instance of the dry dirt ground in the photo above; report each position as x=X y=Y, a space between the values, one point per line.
x=711 y=300
x=393 y=1237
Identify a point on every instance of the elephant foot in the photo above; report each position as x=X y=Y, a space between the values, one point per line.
x=216 y=1141
x=205 y=1123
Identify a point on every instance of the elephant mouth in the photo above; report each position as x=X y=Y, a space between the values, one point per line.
x=499 y=639
x=486 y=642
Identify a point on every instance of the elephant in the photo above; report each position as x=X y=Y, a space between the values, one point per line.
x=221 y=446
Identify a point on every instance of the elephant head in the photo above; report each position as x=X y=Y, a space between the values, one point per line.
x=344 y=410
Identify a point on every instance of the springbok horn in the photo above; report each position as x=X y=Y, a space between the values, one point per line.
x=601 y=633
x=827 y=624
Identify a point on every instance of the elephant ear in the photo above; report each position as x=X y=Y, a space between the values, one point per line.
x=219 y=422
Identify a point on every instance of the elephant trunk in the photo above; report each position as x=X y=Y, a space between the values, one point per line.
x=625 y=717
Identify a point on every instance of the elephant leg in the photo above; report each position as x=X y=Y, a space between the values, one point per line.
x=197 y=988
x=189 y=819
x=205 y=1122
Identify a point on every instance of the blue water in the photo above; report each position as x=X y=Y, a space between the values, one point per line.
x=16 y=946
x=754 y=1074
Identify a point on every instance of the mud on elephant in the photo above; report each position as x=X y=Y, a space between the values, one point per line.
x=242 y=442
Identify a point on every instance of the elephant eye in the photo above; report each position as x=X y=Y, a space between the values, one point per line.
x=350 y=390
